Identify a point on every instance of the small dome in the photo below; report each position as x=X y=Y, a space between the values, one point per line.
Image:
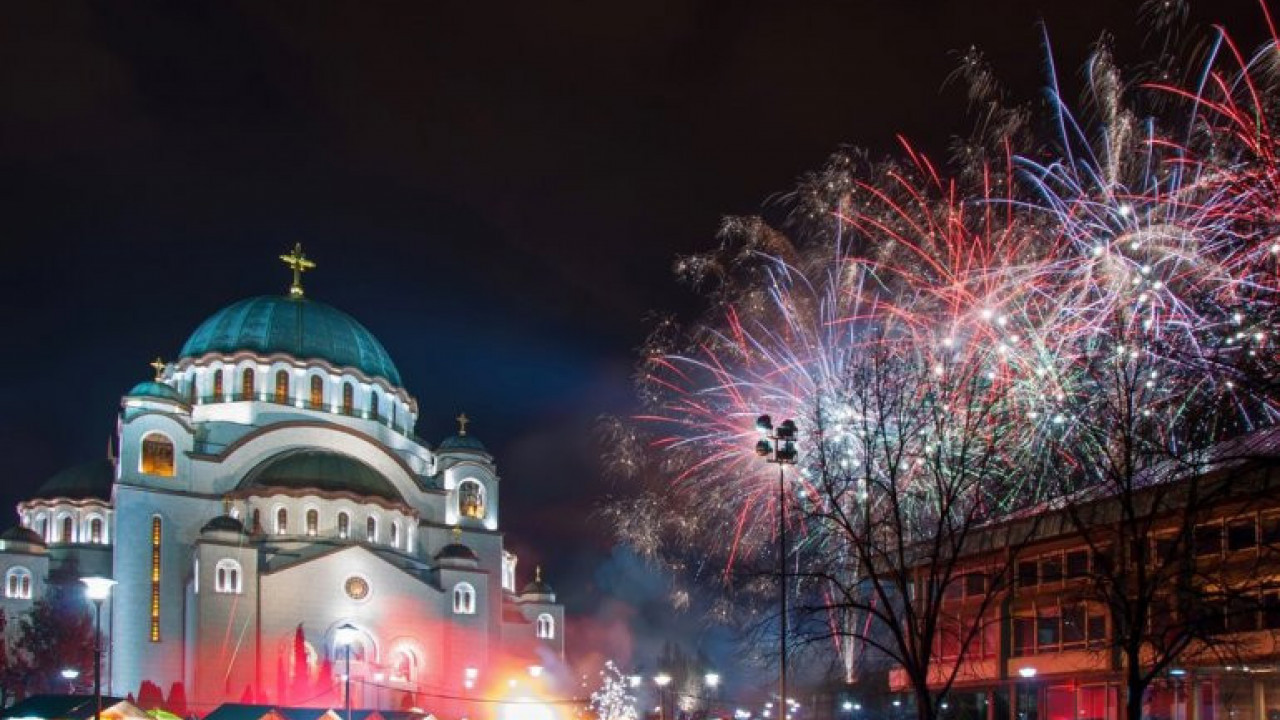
x=19 y=534
x=462 y=442
x=321 y=470
x=296 y=326
x=538 y=589
x=155 y=389
x=457 y=551
x=224 y=523
x=90 y=481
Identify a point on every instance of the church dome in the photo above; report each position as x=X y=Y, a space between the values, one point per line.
x=19 y=534
x=224 y=523
x=154 y=389
x=462 y=442
x=321 y=470
x=457 y=551
x=92 y=480
x=296 y=326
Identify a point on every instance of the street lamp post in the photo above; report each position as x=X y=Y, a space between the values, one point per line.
x=70 y=675
x=97 y=589
x=662 y=680
x=779 y=447
x=345 y=635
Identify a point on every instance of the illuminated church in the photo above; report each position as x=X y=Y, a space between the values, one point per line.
x=268 y=483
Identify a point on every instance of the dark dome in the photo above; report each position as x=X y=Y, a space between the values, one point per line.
x=457 y=551
x=92 y=480
x=154 y=389
x=321 y=470
x=462 y=442
x=538 y=587
x=303 y=328
x=224 y=523
x=18 y=533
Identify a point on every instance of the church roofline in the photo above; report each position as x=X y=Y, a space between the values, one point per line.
x=273 y=427
x=231 y=358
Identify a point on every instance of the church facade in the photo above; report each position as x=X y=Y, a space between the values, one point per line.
x=270 y=516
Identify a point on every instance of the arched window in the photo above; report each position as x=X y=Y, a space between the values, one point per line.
x=227 y=577
x=546 y=626
x=395 y=535
x=403 y=666
x=282 y=386
x=348 y=398
x=95 y=530
x=17 y=583
x=464 y=599
x=246 y=384
x=282 y=521
x=371 y=529
x=193 y=393
x=217 y=385
x=317 y=391
x=42 y=527
x=313 y=521
x=375 y=404
x=65 y=529
x=255 y=526
x=157 y=455
x=344 y=524
x=156 y=537
x=471 y=499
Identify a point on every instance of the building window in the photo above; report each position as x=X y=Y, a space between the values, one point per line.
x=313 y=522
x=227 y=577
x=1242 y=534
x=344 y=525
x=395 y=535
x=371 y=529
x=471 y=499
x=66 y=530
x=546 y=626
x=402 y=666
x=217 y=385
x=374 y=405
x=317 y=391
x=155 y=579
x=246 y=384
x=464 y=599
x=157 y=455
x=95 y=530
x=348 y=398
x=17 y=584
x=193 y=393
x=255 y=524
x=282 y=386
x=282 y=521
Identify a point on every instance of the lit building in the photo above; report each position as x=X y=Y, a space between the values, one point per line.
x=268 y=489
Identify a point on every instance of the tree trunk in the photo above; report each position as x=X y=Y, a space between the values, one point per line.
x=1134 y=690
x=924 y=701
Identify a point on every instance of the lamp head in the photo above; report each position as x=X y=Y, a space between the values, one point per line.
x=764 y=424
x=787 y=430
x=712 y=679
x=97 y=589
x=764 y=448
x=346 y=634
x=70 y=673
x=662 y=679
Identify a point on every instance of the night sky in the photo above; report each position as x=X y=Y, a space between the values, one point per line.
x=496 y=190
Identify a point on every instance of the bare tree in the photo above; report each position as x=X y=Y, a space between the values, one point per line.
x=916 y=462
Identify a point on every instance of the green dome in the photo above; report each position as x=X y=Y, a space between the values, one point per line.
x=321 y=470
x=303 y=328
x=462 y=442
x=154 y=389
x=81 y=482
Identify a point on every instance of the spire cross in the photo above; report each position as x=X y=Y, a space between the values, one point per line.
x=158 y=366
x=462 y=423
x=537 y=574
x=299 y=263
x=457 y=533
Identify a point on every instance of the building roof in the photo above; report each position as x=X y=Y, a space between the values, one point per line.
x=462 y=442
x=91 y=480
x=457 y=551
x=296 y=326
x=321 y=470
x=57 y=707
x=224 y=523
x=156 y=389
x=17 y=533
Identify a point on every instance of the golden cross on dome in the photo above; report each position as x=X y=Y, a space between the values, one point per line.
x=158 y=366
x=537 y=573
x=457 y=533
x=462 y=423
x=299 y=263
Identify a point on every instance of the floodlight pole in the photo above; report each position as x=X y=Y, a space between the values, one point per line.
x=779 y=448
x=97 y=589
